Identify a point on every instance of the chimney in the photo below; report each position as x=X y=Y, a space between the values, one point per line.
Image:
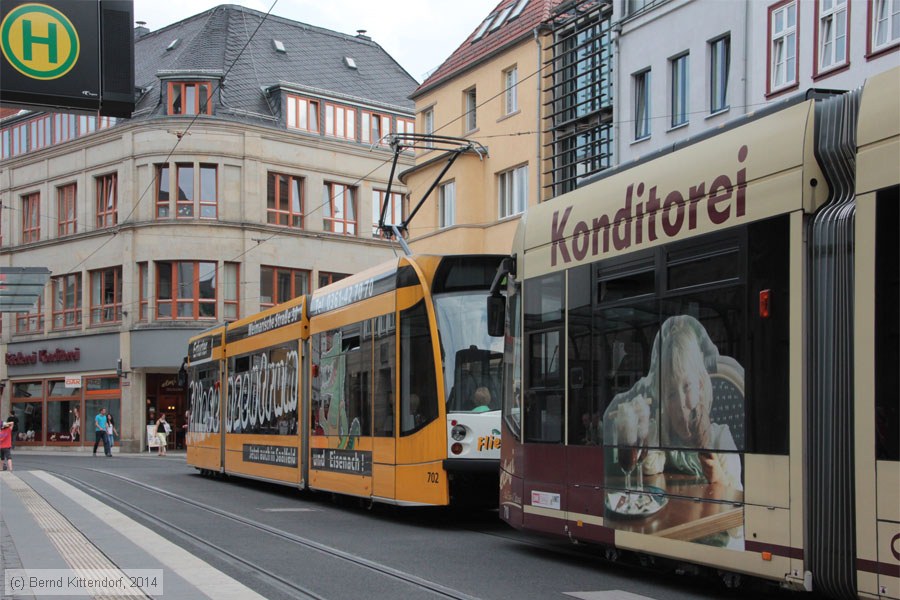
x=141 y=29
x=361 y=34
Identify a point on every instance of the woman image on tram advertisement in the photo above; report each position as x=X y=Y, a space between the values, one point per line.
x=662 y=429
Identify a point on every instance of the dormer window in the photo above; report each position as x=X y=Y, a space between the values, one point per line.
x=190 y=98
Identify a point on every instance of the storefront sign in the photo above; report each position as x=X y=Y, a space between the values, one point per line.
x=73 y=381
x=44 y=356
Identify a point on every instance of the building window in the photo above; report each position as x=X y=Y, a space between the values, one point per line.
x=189 y=98
x=31 y=218
x=284 y=200
x=33 y=320
x=185 y=290
x=406 y=125
x=428 y=125
x=162 y=191
x=885 y=24
x=302 y=114
x=232 y=291
x=67 y=301
x=471 y=109
x=279 y=284
x=447 y=204
x=340 y=121
x=512 y=186
x=582 y=155
x=65 y=127
x=340 y=208
x=642 y=105
x=510 y=88
x=719 y=66
x=326 y=278
x=392 y=216
x=783 y=45
x=107 y=200
x=679 y=90
x=375 y=127
x=209 y=191
x=144 y=291
x=66 y=217
x=184 y=204
x=832 y=33
x=635 y=6
x=106 y=296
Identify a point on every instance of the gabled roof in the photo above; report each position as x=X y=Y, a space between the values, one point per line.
x=208 y=43
x=489 y=38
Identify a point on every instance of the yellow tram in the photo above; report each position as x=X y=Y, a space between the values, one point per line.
x=702 y=351
x=365 y=388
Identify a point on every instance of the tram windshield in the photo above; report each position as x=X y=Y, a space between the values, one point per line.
x=472 y=359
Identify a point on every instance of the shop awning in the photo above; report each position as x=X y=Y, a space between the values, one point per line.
x=20 y=287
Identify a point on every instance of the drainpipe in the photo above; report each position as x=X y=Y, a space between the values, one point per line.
x=746 y=38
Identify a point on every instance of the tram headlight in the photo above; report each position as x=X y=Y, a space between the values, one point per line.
x=458 y=433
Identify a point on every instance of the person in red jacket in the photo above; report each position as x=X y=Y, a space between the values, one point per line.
x=6 y=445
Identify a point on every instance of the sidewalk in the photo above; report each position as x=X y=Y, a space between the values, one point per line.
x=45 y=523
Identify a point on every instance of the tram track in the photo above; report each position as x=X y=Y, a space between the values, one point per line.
x=289 y=587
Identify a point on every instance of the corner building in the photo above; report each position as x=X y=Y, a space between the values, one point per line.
x=251 y=172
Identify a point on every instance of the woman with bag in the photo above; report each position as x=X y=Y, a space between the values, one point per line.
x=162 y=430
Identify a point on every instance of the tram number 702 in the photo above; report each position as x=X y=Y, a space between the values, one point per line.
x=434 y=477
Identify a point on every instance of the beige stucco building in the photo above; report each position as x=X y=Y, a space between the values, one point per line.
x=218 y=198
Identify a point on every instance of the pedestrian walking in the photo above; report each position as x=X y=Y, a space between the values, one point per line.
x=100 y=432
x=111 y=431
x=15 y=427
x=6 y=445
x=162 y=430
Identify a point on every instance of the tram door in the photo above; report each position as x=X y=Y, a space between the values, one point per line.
x=384 y=409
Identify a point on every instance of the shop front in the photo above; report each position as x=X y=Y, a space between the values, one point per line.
x=57 y=388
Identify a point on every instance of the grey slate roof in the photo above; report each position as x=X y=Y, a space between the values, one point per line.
x=211 y=42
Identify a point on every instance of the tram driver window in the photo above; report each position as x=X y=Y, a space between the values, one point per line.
x=544 y=409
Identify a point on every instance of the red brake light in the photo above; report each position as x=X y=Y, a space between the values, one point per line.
x=453 y=423
x=456 y=448
x=765 y=303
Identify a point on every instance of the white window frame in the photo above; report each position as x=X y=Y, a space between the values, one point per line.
x=680 y=99
x=512 y=191
x=447 y=204
x=783 y=47
x=834 y=32
x=510 y=89
x=394 y=213
x=884 y=14
x=719 y=70
x=641 y=104
x=471 y=109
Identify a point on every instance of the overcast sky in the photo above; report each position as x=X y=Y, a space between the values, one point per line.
x=419 y=34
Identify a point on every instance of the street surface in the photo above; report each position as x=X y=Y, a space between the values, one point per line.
x=283 y=543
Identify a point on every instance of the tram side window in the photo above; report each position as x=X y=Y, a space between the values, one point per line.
x=583 y=413
x=418 y=383
x=341 y=386
x=383 y=333
x=263 y=392
x=512 y=375
x=544 y=408
x=887 y=328
x=357 y=385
